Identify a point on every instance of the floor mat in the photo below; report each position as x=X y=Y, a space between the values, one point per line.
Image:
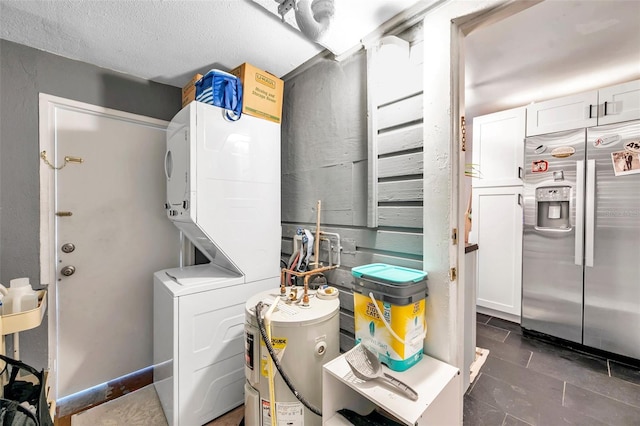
x=139 y=408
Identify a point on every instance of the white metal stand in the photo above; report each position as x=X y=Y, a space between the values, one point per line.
x=22 y=321
x=437 y=383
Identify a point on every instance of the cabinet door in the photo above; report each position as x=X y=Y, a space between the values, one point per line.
x=619 y=103
x=497 y=228
x=570 y=112
x=498 y=144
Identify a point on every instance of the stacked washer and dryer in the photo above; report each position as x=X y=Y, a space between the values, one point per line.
x=223 y=193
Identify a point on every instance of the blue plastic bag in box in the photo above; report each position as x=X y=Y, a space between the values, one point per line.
x=221 y=89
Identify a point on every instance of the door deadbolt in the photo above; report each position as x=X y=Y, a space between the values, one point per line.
x=67 y=271
x=68 y=247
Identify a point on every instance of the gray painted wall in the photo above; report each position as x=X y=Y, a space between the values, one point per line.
x=324 y=157
x=25 y=72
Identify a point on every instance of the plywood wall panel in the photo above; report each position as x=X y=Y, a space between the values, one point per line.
x=401 y=165
x=404 y=216
x=347 y=323
x=407 y=82
x=332 y=185
x=405 y=190
x=346 y=300
x=370 y=239
x=325 y=157
x=323 y=122
x=401 y=112
x=359 y=193
x=401 y=139
x=346 y=342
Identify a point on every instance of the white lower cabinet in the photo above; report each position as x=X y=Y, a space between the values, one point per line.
x=497 y=229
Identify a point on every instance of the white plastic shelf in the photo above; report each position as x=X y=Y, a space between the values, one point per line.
x=438 y=385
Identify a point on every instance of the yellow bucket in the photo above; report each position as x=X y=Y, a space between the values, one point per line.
x=389 y=313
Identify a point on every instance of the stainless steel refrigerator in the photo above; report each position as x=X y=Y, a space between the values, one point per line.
x=581 y=245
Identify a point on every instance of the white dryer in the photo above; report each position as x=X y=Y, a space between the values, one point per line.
x=223 y=193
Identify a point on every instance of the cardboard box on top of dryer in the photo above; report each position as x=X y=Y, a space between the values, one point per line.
x=189 y=90
x=262 y=92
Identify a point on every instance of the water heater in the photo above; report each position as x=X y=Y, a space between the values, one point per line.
x=304 y=338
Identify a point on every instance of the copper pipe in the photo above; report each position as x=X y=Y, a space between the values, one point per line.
x=283 y=290
x=312 y=272
x=316 y=249
x=305 y=297
x=306 y=275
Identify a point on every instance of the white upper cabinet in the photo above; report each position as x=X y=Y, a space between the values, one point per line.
x=620 y=103
x=570 y=112
x=609 y=105
x=498 y=143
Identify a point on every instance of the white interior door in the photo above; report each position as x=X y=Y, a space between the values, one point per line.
x=110 y=207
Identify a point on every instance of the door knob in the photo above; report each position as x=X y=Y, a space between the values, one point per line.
x=68 y=247
x=68 y=270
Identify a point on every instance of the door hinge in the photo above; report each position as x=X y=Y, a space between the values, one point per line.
x=454 y=236
x=453 y=274
x=463 y=134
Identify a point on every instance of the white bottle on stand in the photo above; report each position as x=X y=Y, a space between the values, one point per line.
x=20 y=297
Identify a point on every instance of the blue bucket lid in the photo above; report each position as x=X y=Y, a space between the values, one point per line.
x=389 y=273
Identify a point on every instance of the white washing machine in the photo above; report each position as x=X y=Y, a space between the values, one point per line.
x=199 y=316
x=223 y=193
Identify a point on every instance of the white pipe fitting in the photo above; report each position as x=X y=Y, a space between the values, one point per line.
x=314 y=18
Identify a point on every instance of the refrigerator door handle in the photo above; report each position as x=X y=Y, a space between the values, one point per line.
x=579 y=241
x=590 y=204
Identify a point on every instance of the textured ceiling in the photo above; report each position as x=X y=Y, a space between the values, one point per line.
x=169 y=40
x=554 y=48
x=163 y=41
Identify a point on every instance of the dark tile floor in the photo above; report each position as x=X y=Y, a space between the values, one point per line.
x=526 y=381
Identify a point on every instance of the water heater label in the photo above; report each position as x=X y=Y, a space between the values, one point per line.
x=266 y=412
x=290 y=413
x=248 y=350
x=287 y=413
x=279 y=344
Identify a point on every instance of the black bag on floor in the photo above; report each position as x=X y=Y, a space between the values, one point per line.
x=24 y=399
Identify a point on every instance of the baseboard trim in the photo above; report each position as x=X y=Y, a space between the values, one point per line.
x=632 y=362
x=498 y=314
x=113 y=389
